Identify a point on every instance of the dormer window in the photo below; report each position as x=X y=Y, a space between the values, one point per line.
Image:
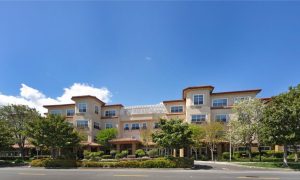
x=220 y=102
x=110 y=113
x=176 y=109
x=198 y=99
x=82 y=107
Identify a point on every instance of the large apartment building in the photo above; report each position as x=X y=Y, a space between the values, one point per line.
x=197 y=105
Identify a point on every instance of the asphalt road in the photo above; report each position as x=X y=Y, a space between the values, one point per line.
x=210 y=171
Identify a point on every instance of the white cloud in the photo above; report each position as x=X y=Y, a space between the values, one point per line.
x=36 y=99
x=148 y=58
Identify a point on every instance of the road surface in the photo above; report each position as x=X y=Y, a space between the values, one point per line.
x=209 y=171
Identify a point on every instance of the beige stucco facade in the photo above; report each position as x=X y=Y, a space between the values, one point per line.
x=131 y=121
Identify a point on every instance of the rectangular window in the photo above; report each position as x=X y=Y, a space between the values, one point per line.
x=97 y=125
x=82 y=124
x=96 y=110
x=144 y=126
x=219 y=102
x=239 y=99
x=70 y=112
x=176 y=109
x=56 y=112
x=126 y=126
x=156 y=125
x=82 y=108
x=198 y=99
x=110 y=113
x=135 y=126
x=198 y=118
x=221 y=118
x=108 y=125
x=266 y=148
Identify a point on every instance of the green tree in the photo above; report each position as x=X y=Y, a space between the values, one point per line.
x=214 y=134
x=105 y=135
x=198 y=134
x=6 y=137
x=54 y=133
x=18 y=117
x=246 y=121
x=282 y=120
x=174 y=134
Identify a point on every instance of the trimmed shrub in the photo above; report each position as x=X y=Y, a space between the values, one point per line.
x=225 y=155
x=140 y=153
x=125 y=153
x=119 y=155
x=272 y=153
x=152 y=153
x=106 y=157
x=182 y=162
x=53 y=163
x=94 y=156
x=113 y=153
x=158 y=163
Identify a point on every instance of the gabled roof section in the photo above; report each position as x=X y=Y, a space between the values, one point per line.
x=172 y=101
x=87 y=96
x=112 y=105
x=209 y=87
x=58 y=105
x=242 y=91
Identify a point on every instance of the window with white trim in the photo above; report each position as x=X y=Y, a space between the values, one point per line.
x=70 y=112
x=198 y=118
x=110 y=113
x=108 y=126
x=221 y=118
x=82 y=123
x=220 y=102
x=56 y=112
x=135 y=126
x=126 y=126
x=176 y=109
x=198 y=99
x=82 y=107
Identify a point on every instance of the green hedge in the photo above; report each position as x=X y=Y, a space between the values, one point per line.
x=51 y=163
x=156 y=163
x=152 y=163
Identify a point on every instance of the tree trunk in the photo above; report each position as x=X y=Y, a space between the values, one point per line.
x=285 y=162
x=212 y=152
x=22 y=152
x=259 y=150
x=249 y=151
x=296 y=153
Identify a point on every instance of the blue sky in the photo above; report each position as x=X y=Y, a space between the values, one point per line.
x=147 y=52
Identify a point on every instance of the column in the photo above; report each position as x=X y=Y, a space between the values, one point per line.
x=181 y=152
x=118 y=148
x=133 y=148
x=174 y=152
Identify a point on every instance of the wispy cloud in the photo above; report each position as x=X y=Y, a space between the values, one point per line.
x=36 y=99
x=148 y=58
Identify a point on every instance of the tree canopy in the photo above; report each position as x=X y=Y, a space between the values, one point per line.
x=105 y=135
x=54 y=133
x=17 y=118
x=282 y=119
x=173 y=134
